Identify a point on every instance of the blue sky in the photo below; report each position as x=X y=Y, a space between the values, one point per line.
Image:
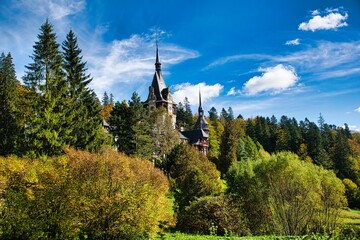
x=296 y=58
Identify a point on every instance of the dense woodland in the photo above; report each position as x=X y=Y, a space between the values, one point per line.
x=64 y=176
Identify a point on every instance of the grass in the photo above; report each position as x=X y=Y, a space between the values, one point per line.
x=348 y=217
x=183 y=236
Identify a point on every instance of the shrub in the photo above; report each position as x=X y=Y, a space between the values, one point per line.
x=293 y=196
x=192 y=175
x=209 y=214
x=101 y=196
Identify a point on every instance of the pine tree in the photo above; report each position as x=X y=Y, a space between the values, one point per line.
x=120 y=120
x=84 y=112
x=9 y=127
x=141 y=128
x=111 y=98
x=46 y=129
x=105 y=99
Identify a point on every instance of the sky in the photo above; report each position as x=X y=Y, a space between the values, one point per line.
x=296 y=58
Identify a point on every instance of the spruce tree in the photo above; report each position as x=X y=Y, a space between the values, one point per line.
x=84 y=111
x=9 y=128
x=46 y=129
x=141 y=128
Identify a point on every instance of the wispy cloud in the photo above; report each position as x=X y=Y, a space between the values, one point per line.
x=228 y=59
x=357 y=110
x=131 y=61
x=233 y=91
x=191 y=91
x=294 y=42
x=338 y=57
x=112 y=64
x=24 y=20
x=55 y=9
x=331 y=21
x=274 y=79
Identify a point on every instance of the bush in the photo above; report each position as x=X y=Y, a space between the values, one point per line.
x=209 y=215
x=292 y=196
x=101 y=196
x=192 y=175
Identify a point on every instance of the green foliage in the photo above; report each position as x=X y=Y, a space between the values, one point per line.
x=192 y=174
x=46 y=129
x=163 y=134
x=9 y=121
x=184 y=116
x=83 y=114
x=214 y=216
x=291 y=196
x=132 y=128
x=101 y=196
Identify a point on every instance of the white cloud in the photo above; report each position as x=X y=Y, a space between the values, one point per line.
x=354 y=128
x=55 y=9
x=315 y=12
x=323 y=59
x=293 y=42
x=275 y=79
x=192 y=92
x=233 y=91
x=357 y=109
x=131 y=61
x=333 y=20
x=24 y=20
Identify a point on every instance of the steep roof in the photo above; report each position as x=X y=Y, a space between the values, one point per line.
x=195 y=135
x=158 y=83
x=201 y=122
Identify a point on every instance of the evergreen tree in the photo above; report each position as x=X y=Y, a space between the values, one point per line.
x=9 y=127
x=132 y=129
x=46 y=130
x=105 y=99
x=213 y=115
x=84 y=112
x=321 y=122
x=111 y=99
x=184 y=115
x=141 y=128
x=120 y=120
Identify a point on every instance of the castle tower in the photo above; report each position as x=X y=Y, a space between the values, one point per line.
x=199 y=136
x=159 y=94
x=201 y=122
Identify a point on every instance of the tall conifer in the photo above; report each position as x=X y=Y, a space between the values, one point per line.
x=46 y=129
x=84 y=112
x=9 y=129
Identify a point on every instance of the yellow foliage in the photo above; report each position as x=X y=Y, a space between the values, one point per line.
x=105 y=195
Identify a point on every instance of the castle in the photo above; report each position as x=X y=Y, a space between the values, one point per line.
x=160 y=96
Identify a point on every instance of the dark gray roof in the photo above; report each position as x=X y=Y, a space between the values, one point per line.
x=195 y=135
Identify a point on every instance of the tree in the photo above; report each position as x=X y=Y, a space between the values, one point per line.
x=300 y=196
x=9 y=124
x=120 y=120
x=111 y=99
x=105 y=99
x=192 y=174
x=47 y=129
x=164 y=136
x=84 y=111
x=184 y=115
x=141 y=128
x=213 y=115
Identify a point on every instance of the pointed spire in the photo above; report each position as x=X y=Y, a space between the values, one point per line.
x=201 y=111
x=157 y=63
